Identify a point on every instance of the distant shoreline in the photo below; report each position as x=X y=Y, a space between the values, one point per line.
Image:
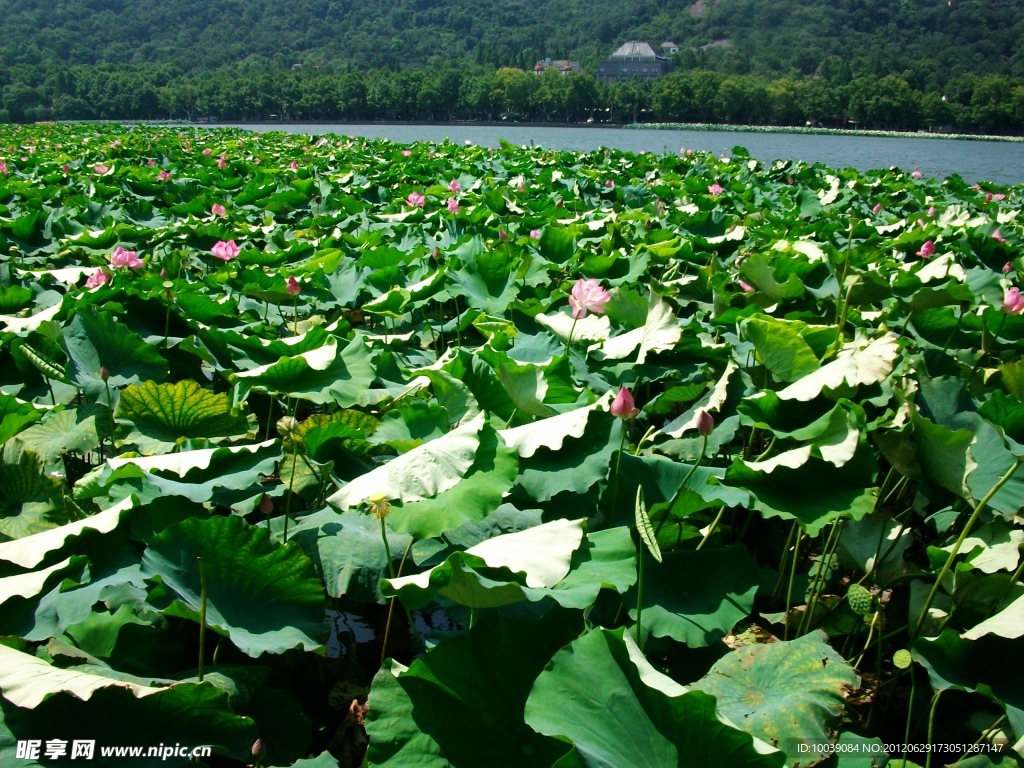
x=702 y=127
x=796 y=129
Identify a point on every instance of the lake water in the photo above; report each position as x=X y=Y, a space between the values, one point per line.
x=975 y=161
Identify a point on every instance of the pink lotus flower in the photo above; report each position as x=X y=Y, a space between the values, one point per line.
x=295 y=165
x=416 y=199
x=122 y=258
x=207 y=152
x=622 y=406
x=151 y=162
x=715 y=189
x=97 y=278
x=927 y=250
x=535 y=234
x=222 y=161
x=747 y=287
x=454 y=186
x=999 y=236
x=66 y=169
x=225 y=251
x=1013 y=301
x=877 y=209
x=101 y=169
x=503 y=235
x=293 y=288
x=609 y=183
x=916 y=174
x=163 y=176
x=705 y=423
x=218 y=210
x=587 y=296
x=931 y=211
x=522 y=185
x=1007 y=268
x=998 y=196
x=3 y=168
x=406 y=153
x=453 y=206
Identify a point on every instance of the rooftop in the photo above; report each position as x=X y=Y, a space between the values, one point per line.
x=634 y=49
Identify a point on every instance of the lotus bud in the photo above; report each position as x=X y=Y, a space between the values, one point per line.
x=623 y=406
x=1007 y=268
x=559 y=203
x=266 y=504
x=104 y=373
x=258 y=749
x=293 y=288
x=286 y=425
x=705 y=423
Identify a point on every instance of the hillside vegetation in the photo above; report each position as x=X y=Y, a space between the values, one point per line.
x=337 y=59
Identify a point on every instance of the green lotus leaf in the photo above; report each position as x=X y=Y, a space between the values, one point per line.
x=464 y=700
x=654 y=722
x=785 y=693
x=68 y=430
x=32 y=550
x=781 y=347
x=827 y=492
x=487 y=281
x=221 y=475
x=975 y=665
x=659 y=333
x=327 y=374
x=15 y=415
x=32 y=584
x=112 y=708
x=265 y=596
x=473 y=498
x=411 y=424
x=237 y=351
x=157 y=416
x=858 y=363
x=349 y=429
x=419 y=474
x=697 y=597
x=550 y=560
x=94 y=340
x=349 y=552
x=14 y=298
x=30 y=500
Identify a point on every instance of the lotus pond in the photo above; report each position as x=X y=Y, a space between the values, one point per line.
x=322 y=450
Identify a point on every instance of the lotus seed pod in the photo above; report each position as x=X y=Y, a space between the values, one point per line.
x=859 y=599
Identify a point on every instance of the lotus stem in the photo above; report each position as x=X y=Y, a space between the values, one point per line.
x=639 y=592
x=871 y=635
x=960 y=542
x=568 y=339
x=712 y=527
x=831 y=544
x=202 y=617
x=792 y=578
x=650 y=431
x=615 y=476
x=931 y=726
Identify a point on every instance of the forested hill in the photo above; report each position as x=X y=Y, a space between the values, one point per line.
x=936 y=38
x=330 y=59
